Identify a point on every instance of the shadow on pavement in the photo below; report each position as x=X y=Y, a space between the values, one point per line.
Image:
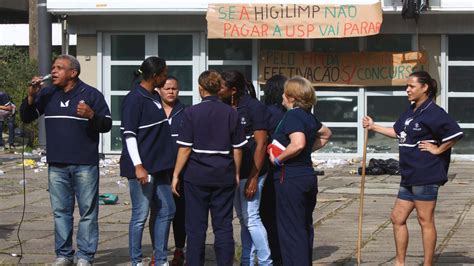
x=322 y=252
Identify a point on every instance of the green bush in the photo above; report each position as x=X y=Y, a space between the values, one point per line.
x=16 y=69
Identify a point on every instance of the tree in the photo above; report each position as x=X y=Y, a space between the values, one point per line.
x=16 y=70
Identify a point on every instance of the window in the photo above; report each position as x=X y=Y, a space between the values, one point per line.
x=460 y=82
x=123 y=55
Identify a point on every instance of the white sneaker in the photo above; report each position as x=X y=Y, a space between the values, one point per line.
x=62 y=262
x=83 y=262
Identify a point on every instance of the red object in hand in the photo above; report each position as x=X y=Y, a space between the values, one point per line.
x=276 y=148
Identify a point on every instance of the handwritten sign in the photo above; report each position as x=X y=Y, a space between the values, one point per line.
x=292 y=21
x=343 y=69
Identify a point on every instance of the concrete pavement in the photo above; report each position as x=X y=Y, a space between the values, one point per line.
x=335 y=219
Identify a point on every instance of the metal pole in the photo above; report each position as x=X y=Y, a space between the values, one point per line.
x=64 y=35
x=44 y=55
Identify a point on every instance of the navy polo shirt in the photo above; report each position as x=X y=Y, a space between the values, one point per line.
x=252 y=117
x=298 y=120
x=274 y=116
x=4 y=98
x=428 y=123
x=70 y=138
x=212 y=129
x=175 y=119
x=143 y=117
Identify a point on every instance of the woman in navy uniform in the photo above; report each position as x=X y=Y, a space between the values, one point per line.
x=174 y=110
x=296 y=184
x=209 y=156
x=425 y=133
x=275 y=110
x=147 y=157
x=252 y=116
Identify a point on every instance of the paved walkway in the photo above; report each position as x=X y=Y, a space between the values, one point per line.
x=335 y=219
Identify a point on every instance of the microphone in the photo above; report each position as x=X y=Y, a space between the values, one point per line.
x=47 y=77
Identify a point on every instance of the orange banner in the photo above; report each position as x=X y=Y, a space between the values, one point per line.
x=292 y=21
x=361 y=69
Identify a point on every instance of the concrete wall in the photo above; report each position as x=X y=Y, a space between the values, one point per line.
x=87 y=56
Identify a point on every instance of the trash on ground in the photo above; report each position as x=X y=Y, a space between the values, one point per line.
x=107 y=199
x=381 y=167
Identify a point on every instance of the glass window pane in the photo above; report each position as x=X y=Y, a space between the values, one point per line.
x=246 y=70
x=336 y=108
x=230 y=49
x=335 y=89
x=116 y=107
x=461 y=78
x=379 y=143
x=283 y=45
x=175 y=47
x=122 y=77
x=184 y=74
x=460 y=47
x=343 y=140
x=116 y=139
x=457 y=109
x=128 y=47
x=466 y=144
x=336 y=45
x=186 y=100
x=389 y=42
x=387 y=88
x=386 y=108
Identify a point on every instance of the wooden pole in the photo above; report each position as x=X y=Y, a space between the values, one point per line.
x=361 y=196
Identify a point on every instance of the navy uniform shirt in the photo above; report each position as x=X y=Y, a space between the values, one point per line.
x=252 y=117
x=70 y=139
x=212 y=129
x=4 y=98
x=429 y=123
x=143 y=117
x=298 y=120
x=274 y=116
x=175 y=119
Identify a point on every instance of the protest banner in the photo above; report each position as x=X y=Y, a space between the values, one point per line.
x=292 y=21
x=360 y=69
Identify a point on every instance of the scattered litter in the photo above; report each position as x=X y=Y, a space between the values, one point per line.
x=330 y=163
x=104 y=172
x=39 y=151
x=331 y=200
x=22 y=182
x=37 y=170
x=121 y=184
x=126 y=203
x=381 y=166
x=1 y=172
x=353 y=172
x=108 y=162
x=461 y=182
x=107 y=199
x=29 y=162
x=43 y=159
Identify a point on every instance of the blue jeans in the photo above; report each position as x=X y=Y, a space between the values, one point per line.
x=158 y=189
x=253 y=234
x=68 y=182
x=11 y=130
x=422 y=193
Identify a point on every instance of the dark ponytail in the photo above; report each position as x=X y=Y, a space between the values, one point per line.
x=153 y=65
x=234 y=78
x=425 y=78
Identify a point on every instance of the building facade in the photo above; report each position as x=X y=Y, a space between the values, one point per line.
x=113 y=38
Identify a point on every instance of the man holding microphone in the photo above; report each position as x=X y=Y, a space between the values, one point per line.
x=75 y=113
